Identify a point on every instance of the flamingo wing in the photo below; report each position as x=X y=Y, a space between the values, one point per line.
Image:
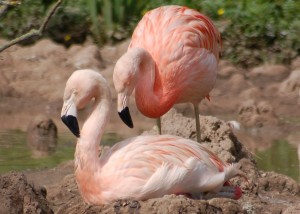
x=185 y=46
x=152 y=166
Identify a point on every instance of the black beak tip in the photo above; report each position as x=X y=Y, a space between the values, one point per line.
x=72 y=123
x=125 y=117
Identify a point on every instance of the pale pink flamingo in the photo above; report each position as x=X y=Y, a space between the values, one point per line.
x=141 y=167
x=172 y=58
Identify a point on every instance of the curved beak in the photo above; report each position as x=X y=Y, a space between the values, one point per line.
x=69 y=116
x=123 y=110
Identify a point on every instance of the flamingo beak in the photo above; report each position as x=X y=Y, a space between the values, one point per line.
x=69 y=117
x=123 y=110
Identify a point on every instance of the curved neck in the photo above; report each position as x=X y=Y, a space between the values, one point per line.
x=150 y=95
x=87 y=148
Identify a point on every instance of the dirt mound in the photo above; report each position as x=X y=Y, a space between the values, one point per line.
x=216 y=134
x=263 y=192
x=18 y=196
x=68 y=193
x=37 y=75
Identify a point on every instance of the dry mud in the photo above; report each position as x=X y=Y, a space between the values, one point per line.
x=265 y=101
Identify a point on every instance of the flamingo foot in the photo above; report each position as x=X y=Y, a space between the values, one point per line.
x=226 y=192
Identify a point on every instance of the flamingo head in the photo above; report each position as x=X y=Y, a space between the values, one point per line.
x=77 y=96
x=69 y=116
x=125 y=80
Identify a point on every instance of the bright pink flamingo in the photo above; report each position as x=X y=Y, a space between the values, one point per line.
x=172 y=58
x=141 y=167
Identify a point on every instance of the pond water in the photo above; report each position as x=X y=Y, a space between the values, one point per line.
x=15 y=155
x=282 y=157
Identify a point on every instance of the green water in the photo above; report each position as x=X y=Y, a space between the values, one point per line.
x=15 y=155
x=282 y=158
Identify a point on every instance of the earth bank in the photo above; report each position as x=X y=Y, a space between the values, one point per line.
x=263 y=100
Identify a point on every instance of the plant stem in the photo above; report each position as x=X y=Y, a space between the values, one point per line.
x=33 y=32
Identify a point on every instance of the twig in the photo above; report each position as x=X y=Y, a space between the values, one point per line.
x=33 y=32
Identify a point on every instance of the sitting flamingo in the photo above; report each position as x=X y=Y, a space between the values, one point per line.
x=141 y=167
x=172 y=58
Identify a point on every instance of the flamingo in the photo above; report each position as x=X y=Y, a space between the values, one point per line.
x=138 y=168
x=172 y=58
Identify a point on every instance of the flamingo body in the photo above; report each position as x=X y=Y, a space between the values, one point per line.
x=185 y=46
x=137 y=168
x=172 y=58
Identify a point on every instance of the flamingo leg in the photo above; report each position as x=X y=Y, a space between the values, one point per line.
x=226 y=192
x=197 y=118
x=158 y=123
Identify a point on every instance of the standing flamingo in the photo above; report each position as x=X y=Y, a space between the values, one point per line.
x=172 y=58
x=141 y=167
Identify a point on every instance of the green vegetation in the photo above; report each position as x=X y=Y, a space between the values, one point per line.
x=113 y=20
x=261 y=31
x=253 y=31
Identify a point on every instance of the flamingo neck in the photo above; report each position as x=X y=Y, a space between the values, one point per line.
x=87 y=148
x=151 y=98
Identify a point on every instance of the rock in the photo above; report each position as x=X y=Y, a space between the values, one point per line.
x=295 y=63
x=42 y=136
x=268 y=73
x=265 y=109
x=227 y=71
x=293 y=209
x=236 y=83
x=112 y=53
x=43 y=49
x=250 y=94
x=278 y=183
x=223 y=64
x=292 y=83
x=253 y=114
x=260 y=125
x=294 y=139
x=66 y=190
x=86 y=57
x=17 y=196
x=5 y=88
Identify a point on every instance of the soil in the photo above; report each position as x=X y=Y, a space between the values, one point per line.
x=248 y=110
